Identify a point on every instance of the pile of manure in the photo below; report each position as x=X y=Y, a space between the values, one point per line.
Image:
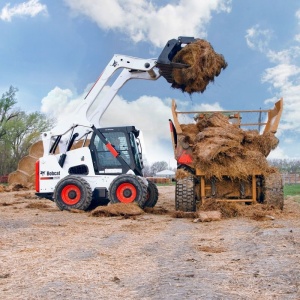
x=220 y=148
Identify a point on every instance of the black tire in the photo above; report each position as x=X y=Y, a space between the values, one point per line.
x=152 y=194
x=72 y=192
x=273 y=191
x=127 y=189
x=185 y=198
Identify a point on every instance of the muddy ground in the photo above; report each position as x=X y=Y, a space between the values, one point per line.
x=50 y=254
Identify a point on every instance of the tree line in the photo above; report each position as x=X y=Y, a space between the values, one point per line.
x=286 y=165
x=150 y=170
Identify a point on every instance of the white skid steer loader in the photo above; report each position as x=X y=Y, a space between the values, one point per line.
x=110 y=167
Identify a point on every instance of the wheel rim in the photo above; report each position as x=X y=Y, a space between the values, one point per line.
x=126 y=192
x=70 y=194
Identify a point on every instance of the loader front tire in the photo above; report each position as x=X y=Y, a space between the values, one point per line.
x=72 y=192
x=152 y=194
x=185 y=198
x=128 y=188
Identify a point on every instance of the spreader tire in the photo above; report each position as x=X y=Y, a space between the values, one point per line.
x=128 y=188
x=185 y=199
x=73 y=192
x=152 y=194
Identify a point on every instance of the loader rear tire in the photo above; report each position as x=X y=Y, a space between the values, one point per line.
x=152 y=194
x=185 y=198
x=72 y=192
x=128 y=188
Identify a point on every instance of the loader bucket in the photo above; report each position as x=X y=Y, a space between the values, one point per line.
x=190 y=64
x=164 y=62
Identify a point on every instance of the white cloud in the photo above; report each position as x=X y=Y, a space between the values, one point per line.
x=56 y=102
x=30 y=8
x=280 y=75
x=257 y=38
x=297 y=14
x=144 y=20
x=284 y=81
x=285 y=56
x=278 y=153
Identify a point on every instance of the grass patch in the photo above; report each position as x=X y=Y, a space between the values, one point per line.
x=291 y=189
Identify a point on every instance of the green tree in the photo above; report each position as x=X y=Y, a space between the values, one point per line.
x=18 y=131
x=158 y=166
x=23 y=131
x=7 y=111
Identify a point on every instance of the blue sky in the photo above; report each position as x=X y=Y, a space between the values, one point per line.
x=52 y=51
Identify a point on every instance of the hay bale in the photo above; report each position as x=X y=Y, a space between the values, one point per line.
x=37 y=150
x=27 y=164
x=204 y=65
x=18 y=177
x=31 y=179
x=79 y=144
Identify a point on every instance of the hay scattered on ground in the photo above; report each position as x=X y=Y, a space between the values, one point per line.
x=6 y=204
x=156 y=210
x=26 y=196
x=37 y=205
x=18 y=187
x=211 y=249
x=258 y=212
x=204 y=65
x=118 y=209
x=182 y=214
x=227 y=209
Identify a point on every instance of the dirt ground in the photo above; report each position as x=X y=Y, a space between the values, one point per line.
x=50 y=254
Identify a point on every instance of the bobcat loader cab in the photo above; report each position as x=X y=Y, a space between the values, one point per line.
x=110 y=166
